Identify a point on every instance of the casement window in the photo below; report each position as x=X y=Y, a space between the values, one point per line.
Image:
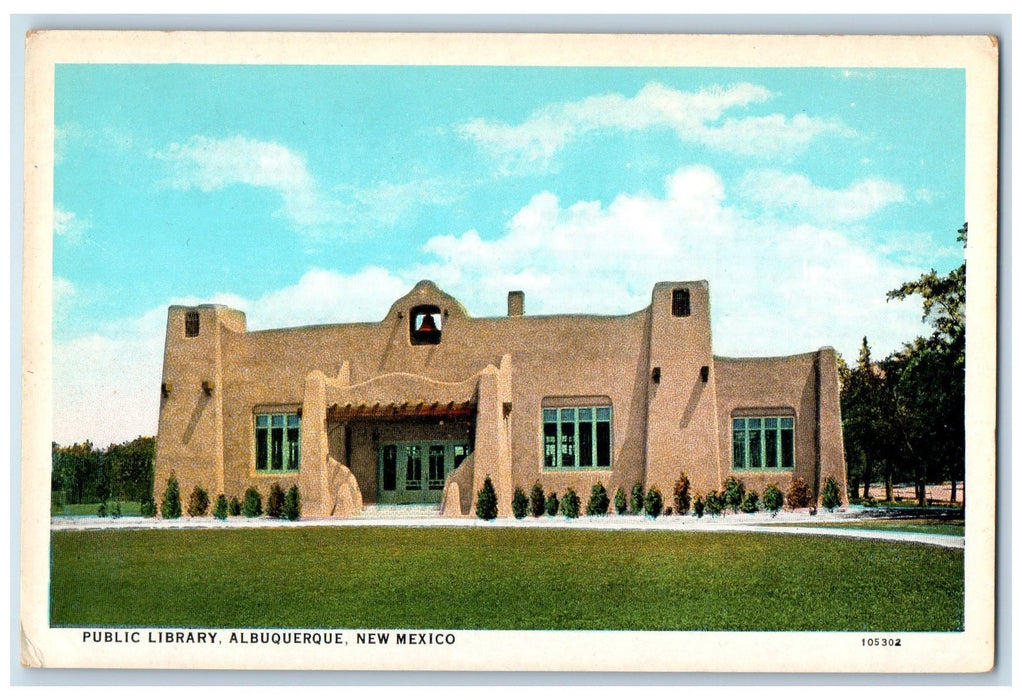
x=761 y=443
x=577 y=438
x=278 y=442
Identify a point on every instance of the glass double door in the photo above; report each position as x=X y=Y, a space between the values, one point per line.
x=415 y=472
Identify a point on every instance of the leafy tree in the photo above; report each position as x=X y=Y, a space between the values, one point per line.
x=275 y=501
x=654 y=504
x=831 y=495
x=773 y=499
x=682 y=499
x=519 y=504
x=734 y=493
x=253 y=506
x=220 y=508
x=927 y=379
x=198 y=502
x=170 y=508
x=599 y=502
x=552 y=503
x=486 y=501
x=637 y=498
x=620 y=502
x=570 y=504
x=292 y=504
x=537 y=500
x=750 y=504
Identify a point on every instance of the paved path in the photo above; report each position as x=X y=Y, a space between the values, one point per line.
x=798 y=523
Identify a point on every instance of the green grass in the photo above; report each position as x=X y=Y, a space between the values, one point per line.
x=453 y=578
x=127 y=508
x=924 y=526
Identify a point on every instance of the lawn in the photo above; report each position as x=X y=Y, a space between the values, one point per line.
x=127 y=508
x=500 y=578
x=924 y=526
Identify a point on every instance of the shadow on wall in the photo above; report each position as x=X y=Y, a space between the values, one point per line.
x=193 y=420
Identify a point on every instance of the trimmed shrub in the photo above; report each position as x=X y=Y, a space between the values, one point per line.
x=537 y=500
x=570 y=504
x=637 y=499
x=198 y=502
x=148 y=507
x=253 y=506
x=654 y=503
x=599 y=502
x=734 y=493
x=101 y=511
x=220 y=508
x=115 y=512
x=552 y=504
x=292 y=504
x=798 y=494
x=698 y=506
x=773 y=499
x=171 y=506
x=620 y=502
x=275 y=501
x=234 y=507
x=831 y=495
x=750 y=504
x=519 y=504
x=668 y=511
x=682 y=499
x=715 y=504
x=486 y=501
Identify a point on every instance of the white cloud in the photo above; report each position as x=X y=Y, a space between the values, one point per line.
x=691 y=115
x=68 y=226
x=777 y=288
x=790 y=194
x=210 y=164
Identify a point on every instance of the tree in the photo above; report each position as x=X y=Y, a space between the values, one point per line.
x=927 y=378
x=486 y=501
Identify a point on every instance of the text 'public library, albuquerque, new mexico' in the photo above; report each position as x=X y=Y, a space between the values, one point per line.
x=422 y=406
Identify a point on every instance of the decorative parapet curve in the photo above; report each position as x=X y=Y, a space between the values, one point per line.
x=401 y=389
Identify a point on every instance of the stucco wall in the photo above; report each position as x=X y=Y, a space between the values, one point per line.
x=658 y=429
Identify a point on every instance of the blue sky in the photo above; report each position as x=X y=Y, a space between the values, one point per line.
x=319 y=194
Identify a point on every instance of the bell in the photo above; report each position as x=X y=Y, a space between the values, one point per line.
x=427 y=325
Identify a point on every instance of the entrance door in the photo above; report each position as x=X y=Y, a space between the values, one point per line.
x=415 y=472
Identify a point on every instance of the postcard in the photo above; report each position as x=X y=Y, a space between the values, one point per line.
x=509 y=352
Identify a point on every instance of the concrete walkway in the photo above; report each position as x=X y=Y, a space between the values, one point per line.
x=784 y=523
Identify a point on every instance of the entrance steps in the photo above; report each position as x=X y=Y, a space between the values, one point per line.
x=399 y=512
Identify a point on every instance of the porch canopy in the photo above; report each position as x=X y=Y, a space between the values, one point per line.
x=395 y=410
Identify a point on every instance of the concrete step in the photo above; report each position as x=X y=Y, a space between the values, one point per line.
x=414 y=510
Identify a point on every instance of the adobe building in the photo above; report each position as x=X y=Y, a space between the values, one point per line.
x=422 y=406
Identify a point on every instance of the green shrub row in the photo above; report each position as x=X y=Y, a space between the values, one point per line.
x=279 y=504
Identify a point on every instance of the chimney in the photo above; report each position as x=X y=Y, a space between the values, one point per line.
x=515 y=303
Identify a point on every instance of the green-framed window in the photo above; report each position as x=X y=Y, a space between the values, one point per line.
x=760 y=443
x=577 y=438
x=278 y=442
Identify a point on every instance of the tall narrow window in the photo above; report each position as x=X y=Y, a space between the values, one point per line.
x=413 y=468
x=191 y=324
x=681 y=303
x=389 y=467
x=278 y=442
x=437 y=473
